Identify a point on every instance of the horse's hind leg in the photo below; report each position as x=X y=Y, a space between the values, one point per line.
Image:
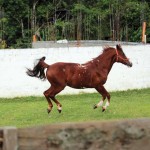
x=59 y=106
x=52 y=92
x=50 y=105
x=105 y=95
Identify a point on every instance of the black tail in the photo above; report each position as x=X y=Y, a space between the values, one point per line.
x=38 y=69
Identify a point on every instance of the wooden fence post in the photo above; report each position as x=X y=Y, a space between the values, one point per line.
x=143 y=32
x=10 y=139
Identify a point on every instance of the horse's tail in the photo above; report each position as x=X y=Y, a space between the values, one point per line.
x=38 y=69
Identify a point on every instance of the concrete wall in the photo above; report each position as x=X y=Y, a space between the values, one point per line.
x=15 y=82
x=84 y=43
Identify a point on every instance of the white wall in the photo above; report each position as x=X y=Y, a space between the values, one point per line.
x=14 y=81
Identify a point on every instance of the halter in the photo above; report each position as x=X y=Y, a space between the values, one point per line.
x=125 y=59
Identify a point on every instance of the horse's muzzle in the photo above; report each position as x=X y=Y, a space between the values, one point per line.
x=129 y=64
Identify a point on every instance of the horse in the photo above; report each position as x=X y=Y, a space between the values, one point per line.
x=92 y=74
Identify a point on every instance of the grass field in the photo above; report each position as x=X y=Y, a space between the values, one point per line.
x=31 y=111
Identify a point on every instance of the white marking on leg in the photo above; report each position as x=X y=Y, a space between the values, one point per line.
x=59 y=107
x=106 y=105
x=50 y=107
x=100 y=103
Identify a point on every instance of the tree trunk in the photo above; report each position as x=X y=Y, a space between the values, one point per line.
x=79 y=25
x=33 y=21
x=22 y=28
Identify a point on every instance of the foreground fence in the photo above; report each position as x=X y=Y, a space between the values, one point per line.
x=114 y=135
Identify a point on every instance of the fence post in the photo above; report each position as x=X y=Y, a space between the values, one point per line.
x=143 y=32
x=10 y=139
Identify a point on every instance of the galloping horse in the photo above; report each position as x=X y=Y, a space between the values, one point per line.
x=92 y=74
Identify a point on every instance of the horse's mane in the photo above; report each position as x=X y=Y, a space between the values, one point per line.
x=105 y=49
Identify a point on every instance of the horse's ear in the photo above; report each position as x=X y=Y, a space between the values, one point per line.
x=118 y=47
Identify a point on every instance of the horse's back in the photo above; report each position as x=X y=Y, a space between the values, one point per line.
x=60 y=72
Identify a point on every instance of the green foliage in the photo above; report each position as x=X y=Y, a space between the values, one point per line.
x=31 y=111
x=89 y=19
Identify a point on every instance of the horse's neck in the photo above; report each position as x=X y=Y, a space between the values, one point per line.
x=105 y=63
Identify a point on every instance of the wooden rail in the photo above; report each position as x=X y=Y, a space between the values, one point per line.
x=8 y=138
x=114 y=135
x=1 y=139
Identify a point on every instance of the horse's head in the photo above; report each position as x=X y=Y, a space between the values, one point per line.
x=121 y=57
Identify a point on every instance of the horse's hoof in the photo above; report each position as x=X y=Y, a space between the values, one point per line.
x=95 y=106
x=103 y=109
x=48 y=110
x=59 y=110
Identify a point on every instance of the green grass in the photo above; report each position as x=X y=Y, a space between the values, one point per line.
x=31 y=111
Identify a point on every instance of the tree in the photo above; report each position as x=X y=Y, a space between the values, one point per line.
x=74 y=20
x=16 y=13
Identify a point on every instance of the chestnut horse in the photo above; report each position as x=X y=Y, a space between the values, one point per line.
x=92 y=74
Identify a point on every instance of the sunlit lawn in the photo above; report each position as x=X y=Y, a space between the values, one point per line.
x=31 y=111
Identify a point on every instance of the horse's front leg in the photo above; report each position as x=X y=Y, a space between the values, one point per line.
x=105 y=95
